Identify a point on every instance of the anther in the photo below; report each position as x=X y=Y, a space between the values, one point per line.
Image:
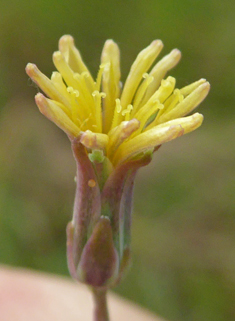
x=85 y=74
x=157 y=102
x=76 y=93
x=164 y=83
x=69 y=89
x=145 y=75
x=95 y=93
x=76 y=76
x=100 y=73
x=127 y=110
x=118 y=105
x=72 y=91
x=102 y=95
x=57 y=54
x=179 y=95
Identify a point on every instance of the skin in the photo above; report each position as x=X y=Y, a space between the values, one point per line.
x=26 y=295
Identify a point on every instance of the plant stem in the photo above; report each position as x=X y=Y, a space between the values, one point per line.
x=100 y=301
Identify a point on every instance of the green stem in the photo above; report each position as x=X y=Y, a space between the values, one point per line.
x=100 y=301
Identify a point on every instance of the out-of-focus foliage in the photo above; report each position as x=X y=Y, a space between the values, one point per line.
x=184 y=216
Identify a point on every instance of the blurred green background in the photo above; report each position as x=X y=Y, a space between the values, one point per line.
x=184 y=210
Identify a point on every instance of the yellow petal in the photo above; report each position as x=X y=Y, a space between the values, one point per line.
x=185 y=91
x=187 y=105
x=159 y=71
x=188 y=123
x=145 y=141
x=65 y=70
x=53 y=111
x=156 y=136
x=140 y=66
x=74 y=59
x=111 y=81
x=46 y=84
x=58 y=82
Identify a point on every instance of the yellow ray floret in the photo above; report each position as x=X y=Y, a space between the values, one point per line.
x=123 y=123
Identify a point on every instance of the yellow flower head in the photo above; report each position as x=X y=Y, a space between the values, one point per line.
x=113 y=130
x=123 y=122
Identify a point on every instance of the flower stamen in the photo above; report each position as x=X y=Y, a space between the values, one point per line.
x=100 y=73
x=117 y=117
x=141 y=91
x=98 y=110
x=127 y=112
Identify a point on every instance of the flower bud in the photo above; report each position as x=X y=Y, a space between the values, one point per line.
x=99 y=264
